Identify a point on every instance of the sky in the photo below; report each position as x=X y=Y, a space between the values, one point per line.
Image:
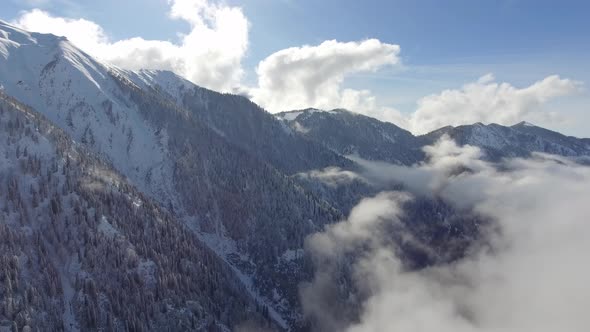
x=418 y=64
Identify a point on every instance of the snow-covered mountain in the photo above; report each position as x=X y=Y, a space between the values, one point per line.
x=81 y=96
x=519 y=140
x=83 y=249
x=136 y=200
x=212 y=160
x=353 y=134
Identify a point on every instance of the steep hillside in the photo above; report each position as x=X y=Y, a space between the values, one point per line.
x=353 y=134
x=519 y=140
x=242 y=123
x=226 y=184
x=350 y=133
x=82 y=249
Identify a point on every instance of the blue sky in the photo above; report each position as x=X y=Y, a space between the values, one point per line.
x=443 y=46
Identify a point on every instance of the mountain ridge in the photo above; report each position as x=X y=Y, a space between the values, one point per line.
x=497 y=141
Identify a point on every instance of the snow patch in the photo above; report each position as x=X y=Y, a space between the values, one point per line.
x=106 y=228
x=300 y=128
x=291 y=115
x=290 y=255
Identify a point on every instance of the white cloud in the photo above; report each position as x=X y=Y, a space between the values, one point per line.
x=530 y=276
x=489 y=102
x=87 y=35
x=209 y=55
x=312 y=76
x=331 y=176
x=445 y=159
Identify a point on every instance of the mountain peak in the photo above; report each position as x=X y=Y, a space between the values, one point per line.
x=294 y=114
x=524 y=124
x=13 y=36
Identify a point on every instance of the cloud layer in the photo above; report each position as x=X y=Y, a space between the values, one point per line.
x=530 y=276
x=209 y=55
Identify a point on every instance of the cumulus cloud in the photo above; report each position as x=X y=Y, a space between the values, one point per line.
x=530 y=275
x=312 y=76
x=209 y=55
x=87 y=35
x=489 y=102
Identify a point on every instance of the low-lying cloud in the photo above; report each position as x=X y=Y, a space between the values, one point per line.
x=531 y=274
x=331 y=176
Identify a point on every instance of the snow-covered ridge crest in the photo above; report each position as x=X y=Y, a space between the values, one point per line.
x=11 y=37
x=80 y=95
x=40 y=52
x=292 y=115
x=168 y=82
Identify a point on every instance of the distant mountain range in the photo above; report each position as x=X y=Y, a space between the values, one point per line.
x=136 y=200
x=349 y=133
